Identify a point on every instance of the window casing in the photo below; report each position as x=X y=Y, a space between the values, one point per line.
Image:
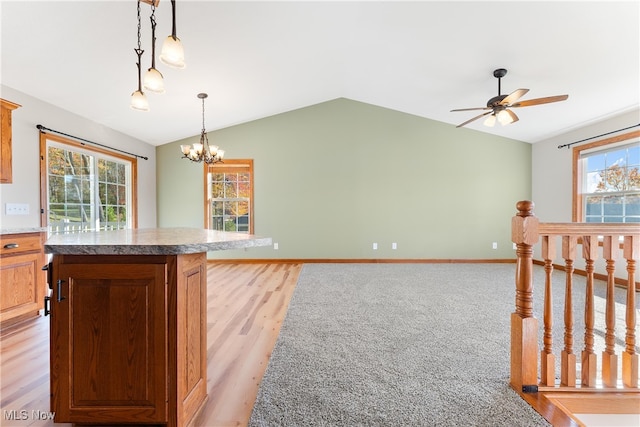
x=229 y=196
x=607 y=180
x=84 y=188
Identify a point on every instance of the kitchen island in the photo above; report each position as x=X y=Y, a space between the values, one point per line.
x=128 y=323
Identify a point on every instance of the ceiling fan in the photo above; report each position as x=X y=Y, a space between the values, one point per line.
x=498 y=106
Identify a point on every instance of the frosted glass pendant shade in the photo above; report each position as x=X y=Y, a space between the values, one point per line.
x=504 y=117
x=139 y=101
x=172 y=52
x=153 y=81
x=490 y=120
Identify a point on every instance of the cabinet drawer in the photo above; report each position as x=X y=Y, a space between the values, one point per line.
x=20 y=243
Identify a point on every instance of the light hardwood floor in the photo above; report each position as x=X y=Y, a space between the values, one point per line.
x=246 y=306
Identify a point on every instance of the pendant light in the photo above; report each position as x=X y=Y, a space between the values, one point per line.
x=172 y=51
x=153 y=80
x=138 y=98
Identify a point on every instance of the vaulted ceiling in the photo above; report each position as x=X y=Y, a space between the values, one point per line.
x=261 y=58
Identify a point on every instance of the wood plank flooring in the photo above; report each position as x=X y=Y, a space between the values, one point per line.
x=246 y=306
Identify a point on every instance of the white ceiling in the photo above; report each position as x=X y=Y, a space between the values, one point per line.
x=257 y=59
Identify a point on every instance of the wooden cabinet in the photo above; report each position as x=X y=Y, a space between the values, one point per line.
x=6 y=107
x=128 y=338
x=22 y=281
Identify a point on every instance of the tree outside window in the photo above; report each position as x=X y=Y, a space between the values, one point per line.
x=85 y=189
x=610 y=190
x=229 y=204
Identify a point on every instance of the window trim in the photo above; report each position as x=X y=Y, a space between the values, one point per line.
x=228 y=165
x=577 y=213
x=44 y=214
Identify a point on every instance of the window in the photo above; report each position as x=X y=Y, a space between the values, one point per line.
x=608 y=180
x=85 y=189
x=229 y=204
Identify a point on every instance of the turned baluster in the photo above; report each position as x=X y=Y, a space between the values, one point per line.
x=610 y=249
x=524 y=327
x=589 y=359
x=547 y=359
x=631 y=252
x=568 y=359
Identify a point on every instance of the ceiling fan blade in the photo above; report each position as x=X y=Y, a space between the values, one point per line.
x=471 y=109
x=514 y=96
x=475 y=118
x=514 y=118
x=538 y=101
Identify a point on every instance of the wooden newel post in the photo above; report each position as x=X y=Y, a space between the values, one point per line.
x=524 y=327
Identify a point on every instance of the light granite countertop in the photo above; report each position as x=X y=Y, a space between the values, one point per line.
x=151 y=241
x=23 y=230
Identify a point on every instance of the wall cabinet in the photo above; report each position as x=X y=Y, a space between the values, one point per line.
x=6 y=171
x=22 y=281
x=128 y=338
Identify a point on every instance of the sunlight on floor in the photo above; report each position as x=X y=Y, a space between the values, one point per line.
x=609 y=420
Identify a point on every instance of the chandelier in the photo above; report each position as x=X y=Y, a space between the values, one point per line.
x=202 y=152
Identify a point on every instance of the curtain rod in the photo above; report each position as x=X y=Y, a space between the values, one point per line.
x=597 y=136
x=42 y=129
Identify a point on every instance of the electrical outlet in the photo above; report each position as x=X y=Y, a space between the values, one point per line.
x=375 y=246
x=514 y=246
x=275 y=246
x=495 y=245
x=394 y=245
x=17 y=209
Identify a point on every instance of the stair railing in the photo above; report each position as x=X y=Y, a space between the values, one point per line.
x=605 y=240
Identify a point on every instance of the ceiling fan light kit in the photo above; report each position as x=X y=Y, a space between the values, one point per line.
x=499 y=106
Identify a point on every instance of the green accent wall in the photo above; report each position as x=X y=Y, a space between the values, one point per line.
x=333 y=178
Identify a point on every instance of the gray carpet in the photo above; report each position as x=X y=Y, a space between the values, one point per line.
x=395 y=345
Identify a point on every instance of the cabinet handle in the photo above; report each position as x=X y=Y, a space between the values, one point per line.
x=49 y=269
x=47 y=306
x=11 y=246
x=60 y=297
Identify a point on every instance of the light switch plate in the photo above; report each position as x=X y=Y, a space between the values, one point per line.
x=17 y=209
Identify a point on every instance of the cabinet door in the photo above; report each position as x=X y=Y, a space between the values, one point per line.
x=19 y=285
x=5 y=140
x=108 y=351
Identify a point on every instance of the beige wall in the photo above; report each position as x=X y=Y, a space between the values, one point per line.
x=25 y=188
x=333 y=178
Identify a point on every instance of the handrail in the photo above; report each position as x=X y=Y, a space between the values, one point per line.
x=602 y=241
x=587 y=228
